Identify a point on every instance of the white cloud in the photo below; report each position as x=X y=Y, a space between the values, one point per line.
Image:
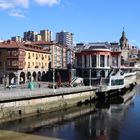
x=9 y=5
x=5 y=5
x=47 y=2
x=16 y=13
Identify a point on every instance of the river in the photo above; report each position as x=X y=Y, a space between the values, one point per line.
x=114 y=122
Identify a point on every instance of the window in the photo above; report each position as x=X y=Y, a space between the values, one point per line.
x=42 y=57
x=33 y=54
x=33 y=63
x=36 y=56
x=29 y=56
x=49 y=58
x=28 y=64
x=93 y=60
x=14 y=62
x=117 y=82
x=102 y=58
x=108 y=61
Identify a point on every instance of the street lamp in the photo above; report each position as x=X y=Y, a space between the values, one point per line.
x=54 y=80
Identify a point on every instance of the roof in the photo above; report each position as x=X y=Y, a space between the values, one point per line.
x=11 y=44
x=98 y=46
x=42 y=43
x=18 y=45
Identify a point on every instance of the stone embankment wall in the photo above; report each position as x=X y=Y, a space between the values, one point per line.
x=138 y=77
x=19 y=108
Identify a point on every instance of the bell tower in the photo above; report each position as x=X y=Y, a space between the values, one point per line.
x=123 y=41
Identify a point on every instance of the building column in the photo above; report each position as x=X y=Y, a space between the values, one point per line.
x=87 y=61
x=110 y=60
x=99 y=60
x=90 y=60
x=25 y=77
x=17 y=78
x=119 y=60
x=105 y=61
x=83 y=61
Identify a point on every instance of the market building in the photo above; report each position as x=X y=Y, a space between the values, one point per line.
x=95 y=61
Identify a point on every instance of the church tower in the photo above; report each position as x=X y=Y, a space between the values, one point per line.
x=123 y=41
x=124 y=47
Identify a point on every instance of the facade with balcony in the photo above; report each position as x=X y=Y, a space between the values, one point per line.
x=95 y=60
x=22 y=62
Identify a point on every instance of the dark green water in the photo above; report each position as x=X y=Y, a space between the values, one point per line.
x=118 y=122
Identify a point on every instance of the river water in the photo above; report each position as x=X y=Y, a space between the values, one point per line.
x=114 y=122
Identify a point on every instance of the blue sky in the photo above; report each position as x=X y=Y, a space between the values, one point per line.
x=89 y=20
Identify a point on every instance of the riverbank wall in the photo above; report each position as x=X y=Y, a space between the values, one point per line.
x=23 y=106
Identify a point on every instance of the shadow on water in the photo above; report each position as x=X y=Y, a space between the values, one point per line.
x=80 y=123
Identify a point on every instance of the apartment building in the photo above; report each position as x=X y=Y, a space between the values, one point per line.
x=29 y=36
x=64 y=38
x=58 y=53
x=45 y=35
x=20 y=63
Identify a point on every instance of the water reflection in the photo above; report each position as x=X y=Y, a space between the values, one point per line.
x=81 y=123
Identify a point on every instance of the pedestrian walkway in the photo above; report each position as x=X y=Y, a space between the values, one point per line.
x=19 y=93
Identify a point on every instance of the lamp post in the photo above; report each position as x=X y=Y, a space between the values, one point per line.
x=54 y=80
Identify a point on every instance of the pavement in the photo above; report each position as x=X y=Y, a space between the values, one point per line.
x=24 y=92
